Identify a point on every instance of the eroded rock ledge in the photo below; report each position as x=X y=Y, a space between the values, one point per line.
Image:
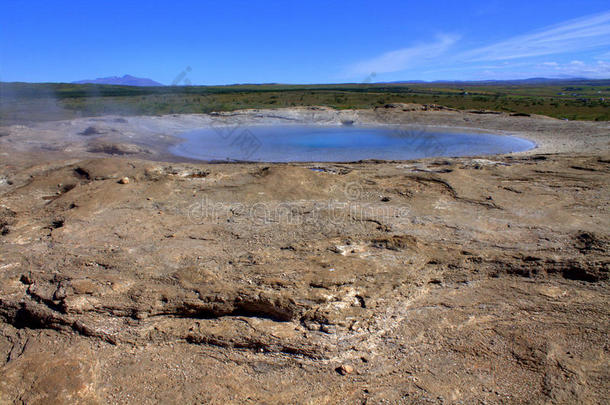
x=387 y=272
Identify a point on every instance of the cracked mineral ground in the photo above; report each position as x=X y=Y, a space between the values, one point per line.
x=130 y=275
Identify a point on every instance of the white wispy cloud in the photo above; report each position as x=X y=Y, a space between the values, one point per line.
x=402 y=59
x=599 y=69
x=604 y=56
x=569 y=37
x=574 y=35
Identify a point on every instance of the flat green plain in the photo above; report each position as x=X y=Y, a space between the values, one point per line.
x=565 y=99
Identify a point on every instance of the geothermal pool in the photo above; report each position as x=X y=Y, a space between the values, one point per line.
x=337 y=143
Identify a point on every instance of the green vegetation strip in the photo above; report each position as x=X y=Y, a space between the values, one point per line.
x=574 y=100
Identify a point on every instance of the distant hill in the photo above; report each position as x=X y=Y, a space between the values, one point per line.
x=126 y=80
x=533 y=80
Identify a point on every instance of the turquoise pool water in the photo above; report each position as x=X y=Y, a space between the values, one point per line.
x=337 y=143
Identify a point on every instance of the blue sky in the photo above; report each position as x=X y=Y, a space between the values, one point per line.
x=312 y=41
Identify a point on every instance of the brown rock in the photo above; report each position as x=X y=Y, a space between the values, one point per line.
x=344 y=369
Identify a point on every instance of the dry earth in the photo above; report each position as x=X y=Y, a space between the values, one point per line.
x=444 y=280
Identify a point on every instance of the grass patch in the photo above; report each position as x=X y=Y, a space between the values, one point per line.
x=575 y=100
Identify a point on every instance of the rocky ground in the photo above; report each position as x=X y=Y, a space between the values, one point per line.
x=446 y=280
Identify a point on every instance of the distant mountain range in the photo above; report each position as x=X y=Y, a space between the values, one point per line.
x=129 y=80
x=126 y=80
x=532 y=80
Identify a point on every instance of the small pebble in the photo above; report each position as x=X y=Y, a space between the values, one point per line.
x=124 y=180
x=344 y=369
